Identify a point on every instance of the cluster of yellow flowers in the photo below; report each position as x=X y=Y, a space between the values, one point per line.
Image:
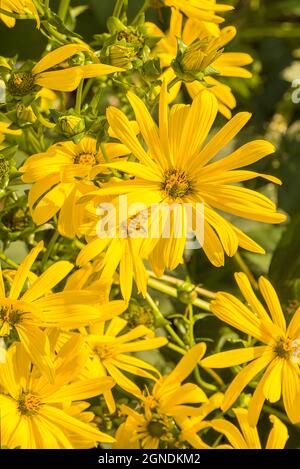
x=69 y=336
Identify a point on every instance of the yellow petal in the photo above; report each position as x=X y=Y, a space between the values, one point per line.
x=186 y=365
x=271 y=298
x=291 y=391
x=199 y=121
x=250 y=433
x=57 y=56
x=244 y=377
x=45 y=282
x=249 y=295
x=224 y=136
x=233 y=435
x=97 y=70
x=72 y=425
x=37 y=346
x=278 y=435
x=60 y=80
x=80 y=390
x=23 y=271
x=233 y=357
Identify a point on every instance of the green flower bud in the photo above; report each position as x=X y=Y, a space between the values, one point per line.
x=186 y=293
x=193 y=62
x=152 y=70
x=71 y=125
x=25 y=113
x=121 y=56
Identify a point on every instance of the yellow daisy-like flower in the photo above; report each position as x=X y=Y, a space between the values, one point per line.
x=200 y=9
x=21 y=7
x=279 y=358
x=39 y=415
x=23 y=82
x=61 y=176
x=177 y=172
x=248 y=437
x=168 y=403
x=205 y=47
x=25 y=310
x=109 y=350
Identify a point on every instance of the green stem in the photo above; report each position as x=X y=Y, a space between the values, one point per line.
x=202 y=383
x=49 y=249
x=160 y=320
x=178 y=282
x=242 y=264
x=142 y=10
x=157 y=285
x=87 y=89
x=8 y=261
x=63 y=9
x=176 y=348
x=79 y=97
x=40 y=118
x=118 y=8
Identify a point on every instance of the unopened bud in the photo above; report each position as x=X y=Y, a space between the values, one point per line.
x=71 y=125
x=186 y=293
x=193 y=62
x=25 y=113
x=121 y=56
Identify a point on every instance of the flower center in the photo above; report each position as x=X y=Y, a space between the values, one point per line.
x=156 y=428
x=28 y=404
x=9 y=317
x=132 y=37
x=20 y=83
x=105 y=351
x=87 y=159
x=288 y=349
x=176 y=184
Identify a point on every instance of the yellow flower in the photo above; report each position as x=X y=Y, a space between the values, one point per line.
x=21 y=7
x=248 y=437
x=23 y=82
x=39 y=415
x=280 y=357
x=227 y=64
x=200 y=9
x=109 y=350
x=25 y=310
x=161 y=411
x=61 y=176
x=175 y=173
